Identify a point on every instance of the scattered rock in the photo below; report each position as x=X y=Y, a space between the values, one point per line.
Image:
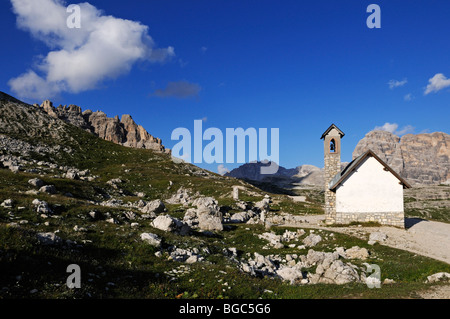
x=312 y=240
x=440 y=276
x=153 y=208
x=388 y=281
x=111 y=220
x=36 y=182
x=48 y=239
x=241 y=217
x=185 y=255
x=152 y=239
x=290 y=274
x=79 y=229
x=72 y=174
x=42 y=207
x=130 y=215
x=170 y=224
x=357 y=253
x=377 y=237
x=8 y=203
x=49 y=189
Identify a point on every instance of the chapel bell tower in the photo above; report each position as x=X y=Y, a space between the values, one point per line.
x=332 y=158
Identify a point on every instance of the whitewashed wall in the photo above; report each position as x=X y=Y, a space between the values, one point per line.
x=370 y=189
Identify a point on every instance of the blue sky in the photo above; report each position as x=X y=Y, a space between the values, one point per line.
x=294 y=65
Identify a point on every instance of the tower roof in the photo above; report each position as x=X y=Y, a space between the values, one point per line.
x=332 y=126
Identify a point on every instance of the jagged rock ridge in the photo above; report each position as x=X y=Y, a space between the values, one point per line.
x=124 y=131
x=420 y=159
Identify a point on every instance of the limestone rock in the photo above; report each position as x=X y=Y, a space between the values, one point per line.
x=7 y=203
x=241 y=217
x=420 y=159
x=312 y=240
x=377 y=237
x=152 y=239
x=210 y=222
x=357 y=253
x=48 y=238
x=36 y=182
x=124 y=131
x=49 y=189
x=154 y=207
x=42 y=207
x=290 y=274
x=440 y=276
x=170 y=224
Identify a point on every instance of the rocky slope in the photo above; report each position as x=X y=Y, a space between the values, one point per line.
x=124 y=131
x=421 y=158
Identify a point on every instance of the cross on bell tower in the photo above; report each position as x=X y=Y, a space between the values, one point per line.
x=332 y=158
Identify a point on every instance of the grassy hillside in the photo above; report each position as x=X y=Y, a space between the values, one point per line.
x=115 y=262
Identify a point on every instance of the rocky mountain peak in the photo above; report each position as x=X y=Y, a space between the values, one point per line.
x=124 y=131
x=420 y=158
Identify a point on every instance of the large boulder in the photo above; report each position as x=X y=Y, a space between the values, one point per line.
x=290 y=274
x=340 y=273
x=440 y=276
x=210 y=222
x=48 y=238
x=357 y=253
x=42 y=207
x=377 y=237
x=207 y=216
x=7 y=203
x=153 y=208
x=170 y=224
x=152 y=239
x=49 y=189
x=241 y=217
x=312 y=240
x=36 y=182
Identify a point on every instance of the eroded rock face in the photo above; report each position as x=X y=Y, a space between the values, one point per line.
x=124 y=131
x=420 y=159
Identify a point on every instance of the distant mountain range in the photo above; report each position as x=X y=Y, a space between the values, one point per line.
x=420 y=159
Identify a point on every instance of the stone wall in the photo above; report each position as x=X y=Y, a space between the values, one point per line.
x=332 y=167
x=392 y=218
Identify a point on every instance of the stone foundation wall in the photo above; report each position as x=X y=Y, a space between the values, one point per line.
x=332 y=167
x=392 y=218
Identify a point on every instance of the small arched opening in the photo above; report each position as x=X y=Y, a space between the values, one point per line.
x=332 y=146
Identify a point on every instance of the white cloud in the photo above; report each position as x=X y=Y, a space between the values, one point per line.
x=437 y=83
x=180 y=89
x=389 y=127
x=405 y=130
x=222 y=170
x=394 y=83
x=103 y=48
x=408 y=97
x=393 y=128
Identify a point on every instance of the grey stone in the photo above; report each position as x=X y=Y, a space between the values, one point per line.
x=312 y=240
x=152 y=239
x=154 y=207
x=49 y=189
x=36 y=182
x=377 y=237
x=48 y=238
